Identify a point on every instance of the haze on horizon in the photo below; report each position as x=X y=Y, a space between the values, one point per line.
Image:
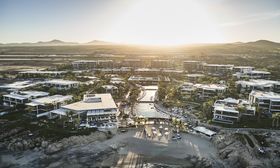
x=156 y=22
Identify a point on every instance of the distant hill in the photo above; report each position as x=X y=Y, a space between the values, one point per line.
x=98 y=42
x=263 y=43
x=256 y=47
x=56 y=42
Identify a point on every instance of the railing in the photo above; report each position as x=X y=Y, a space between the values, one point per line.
x=43 y=114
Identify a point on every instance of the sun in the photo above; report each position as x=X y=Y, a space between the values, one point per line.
x=165 y=22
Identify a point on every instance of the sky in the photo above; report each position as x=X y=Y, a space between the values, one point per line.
x=157 y=22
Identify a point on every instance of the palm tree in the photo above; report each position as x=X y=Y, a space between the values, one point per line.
x=241 y=110
x=259 y=111
x=207 y=108
x=275 y=118
x=70 y=115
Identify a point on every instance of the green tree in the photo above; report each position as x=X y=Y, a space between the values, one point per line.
x=259 y=111
x=207 y=108
x=275 y=120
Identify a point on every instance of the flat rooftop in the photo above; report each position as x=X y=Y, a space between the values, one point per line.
x=43 y=72
x=259 y=72
x=61 y=82
x=26 y=94
x=97 y=102
x=84 y=61
x=219 y=65
x=265 y=95
x=258 y=82
x=50 y=100
x=19 y=85
x=205 y=131
x=243 y=67
x=211 y=86
x=195 y=75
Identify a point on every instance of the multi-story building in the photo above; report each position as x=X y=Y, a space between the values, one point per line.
x=269 y=102
x=117 y=80
x=229 y=111
x=61 y=84
x=110 y=89
x=94 y=108
x=187 y=90
x=21 y=97
x=209 y=90
x=105 y=64
x=133 y=63
x=161 y=64
x=192 y=66
x=217 y=68
x=243 y=69
x=42 y=105
x=254 y=74
x=259 y=84
x=84 y=64
x=19 y=85
x=91 y=64
x=35 y=73
x=194 y=77
x=148 y=80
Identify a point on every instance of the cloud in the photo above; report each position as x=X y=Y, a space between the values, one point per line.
x=253 y=18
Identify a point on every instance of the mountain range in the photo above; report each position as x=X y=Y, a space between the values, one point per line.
x=56 y=42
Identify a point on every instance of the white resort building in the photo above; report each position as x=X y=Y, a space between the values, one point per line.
x=40 y=105
x=19 y=85
x=209 y=90
x=259 y=84
x=21 y=97
x=84 y=64
x=36 y=73
x=253 y=74
x=187 y=89
x=110 y=89
x=117 y=80
x=269 y=102
x=61 y=84
x=243 y=69
x=94 y=108
x=228 y=110
x=217 y=68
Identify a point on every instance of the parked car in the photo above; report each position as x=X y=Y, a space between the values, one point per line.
x=123 y=130
x=179 y=136
x=261 y=150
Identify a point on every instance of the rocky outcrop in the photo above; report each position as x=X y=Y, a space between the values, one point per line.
x=7 y=134
x=235 y=151
x=197 y=162
x=19 y=144
x=74 y=140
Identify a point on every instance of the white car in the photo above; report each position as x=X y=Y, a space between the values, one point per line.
x=160 y=127
x=166 y=129
x=159 y=134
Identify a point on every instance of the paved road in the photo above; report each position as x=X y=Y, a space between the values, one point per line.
x=141 y=149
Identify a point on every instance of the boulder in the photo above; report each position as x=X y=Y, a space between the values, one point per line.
x=44 y=144
x=53 y=148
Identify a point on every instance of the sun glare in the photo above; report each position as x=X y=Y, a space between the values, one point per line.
x=165 y=22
